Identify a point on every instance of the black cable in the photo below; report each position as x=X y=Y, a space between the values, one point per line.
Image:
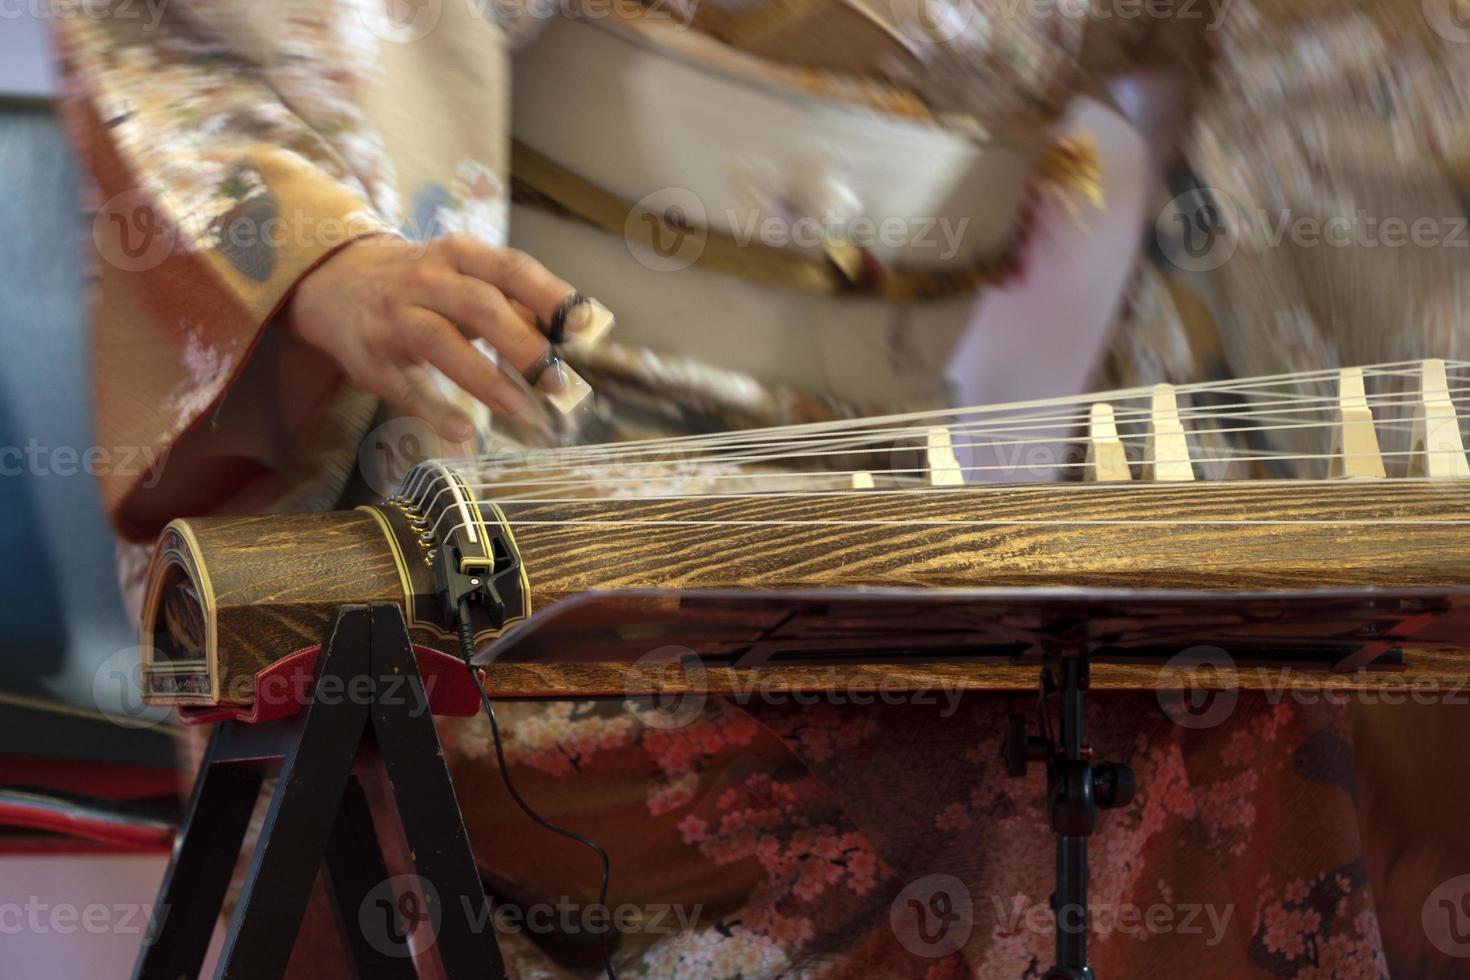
x=467 y=652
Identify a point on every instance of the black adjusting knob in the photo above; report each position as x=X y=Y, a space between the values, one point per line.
x=1113 y=785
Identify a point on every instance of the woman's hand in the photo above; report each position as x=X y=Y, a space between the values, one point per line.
x=383 y=308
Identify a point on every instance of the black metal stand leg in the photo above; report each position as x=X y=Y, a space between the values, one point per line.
x=427 y=808
x=199 y=873
x=1070 y=905
x=1073 y=813
x=302 y=812
x=1076 y=790
x=367 y=687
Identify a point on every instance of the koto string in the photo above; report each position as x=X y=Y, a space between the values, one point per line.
x=848 y=436
x=611 y=457
x=548 y=485
x=739 y=437
x=1134 y=418
x=830 y=493
x=656 y=468
x=1254 y=457
x=718 y=440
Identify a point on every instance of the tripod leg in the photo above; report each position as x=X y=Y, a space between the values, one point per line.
x=427 y=807
x=303 y=810
x=199 y=872
x=1071 y=907
x=1073 y=816
x=1076 y=789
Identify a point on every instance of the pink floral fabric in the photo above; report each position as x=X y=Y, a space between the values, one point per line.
x=818 y=838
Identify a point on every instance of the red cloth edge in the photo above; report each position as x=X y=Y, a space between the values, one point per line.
x=285 y=687
x=77 y=825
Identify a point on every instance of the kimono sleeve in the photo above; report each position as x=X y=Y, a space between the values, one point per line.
x=210 y=199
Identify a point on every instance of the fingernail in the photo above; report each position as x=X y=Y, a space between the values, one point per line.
x=553 y=380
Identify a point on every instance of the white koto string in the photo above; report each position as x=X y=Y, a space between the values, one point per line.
x=981 y=435
x=867 y=434
x=616 y=455
x=605 y=452
x=611 y=456
x=656 y=471
x=504 y=489
x=969 y=489
x=822 y=428
x=1020 y=522
x=605 y=503
x=813 y=493
x=655 y=467
x=659 y=494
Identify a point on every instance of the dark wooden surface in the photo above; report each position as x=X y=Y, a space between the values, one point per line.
x=1429 y=671
x=278 y=579
x=1252 y=535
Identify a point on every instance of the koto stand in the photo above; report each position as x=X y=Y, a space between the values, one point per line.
x=1075 y=790
x=368 y=708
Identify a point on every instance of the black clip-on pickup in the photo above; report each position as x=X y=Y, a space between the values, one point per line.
x=478 y=593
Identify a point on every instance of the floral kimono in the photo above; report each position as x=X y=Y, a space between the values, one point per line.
x=763 y=840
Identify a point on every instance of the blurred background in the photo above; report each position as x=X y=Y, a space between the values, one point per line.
x=61 y=616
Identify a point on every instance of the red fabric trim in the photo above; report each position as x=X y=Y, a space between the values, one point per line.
x=102 y=831
x=52 y=845
x=285 y=687
x=113 y=780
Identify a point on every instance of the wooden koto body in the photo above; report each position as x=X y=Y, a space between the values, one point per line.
x=229 y=596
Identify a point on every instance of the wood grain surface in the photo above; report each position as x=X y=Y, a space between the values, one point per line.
x=1431 y=672
x=277 y=580
x=1248 y=535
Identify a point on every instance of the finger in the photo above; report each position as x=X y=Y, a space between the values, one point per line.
x=410 y=388
x=426 y=337
x=483 y=311
x=513 y=272
x=522 y=310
